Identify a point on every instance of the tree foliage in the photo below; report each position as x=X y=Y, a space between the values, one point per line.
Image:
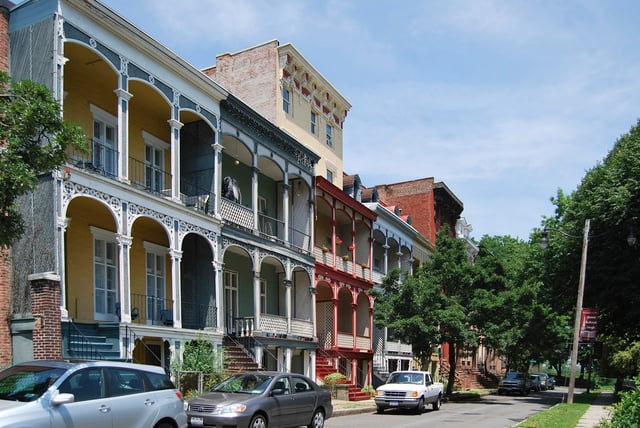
x=608 y=195
x=33 y=141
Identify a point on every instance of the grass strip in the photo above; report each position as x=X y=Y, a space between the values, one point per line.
x=561 y=415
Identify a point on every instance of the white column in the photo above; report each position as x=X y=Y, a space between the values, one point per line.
x=219 y=284
x=288 y=306
x=256 y=299
x=176 y=279
x=175 y=125
x=288 y=352
x=123 y=131
x=124 y=266
x=217 y=179
x=286 y=207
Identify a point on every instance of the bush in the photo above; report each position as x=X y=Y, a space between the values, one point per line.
x=369 y=389
x=335 y=379
x=626 y=413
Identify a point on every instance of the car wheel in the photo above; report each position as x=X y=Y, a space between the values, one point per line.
x=420 y=407
x=317 y=421
x=436 y=404
x=258 y=421
x=380 y=409
x=163 y=425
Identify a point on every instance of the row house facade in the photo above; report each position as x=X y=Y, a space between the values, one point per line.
x=278 y=81
x=189 y=217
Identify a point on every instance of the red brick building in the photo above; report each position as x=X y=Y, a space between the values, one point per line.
x=5 y=271
x=430 y=204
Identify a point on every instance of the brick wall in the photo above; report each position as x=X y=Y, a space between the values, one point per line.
x=5 y=261
x=5 y=308
x=45 y=306
x=4 y=39
x=251 y=75
x=416 y=199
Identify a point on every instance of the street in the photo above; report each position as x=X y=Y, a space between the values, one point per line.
x=491 y=411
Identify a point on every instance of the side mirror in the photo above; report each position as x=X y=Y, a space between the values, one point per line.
x=62 y=399
x=277 y=391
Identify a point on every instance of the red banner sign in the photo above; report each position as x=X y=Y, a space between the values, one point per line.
x=588 y=324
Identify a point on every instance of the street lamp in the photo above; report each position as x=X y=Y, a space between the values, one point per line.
x=576 y=325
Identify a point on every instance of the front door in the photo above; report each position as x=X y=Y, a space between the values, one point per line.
x=231 y=301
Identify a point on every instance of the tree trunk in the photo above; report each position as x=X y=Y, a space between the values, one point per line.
x=452 y=368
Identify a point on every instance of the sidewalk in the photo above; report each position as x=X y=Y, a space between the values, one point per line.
x=597 y=412
x=344 y=407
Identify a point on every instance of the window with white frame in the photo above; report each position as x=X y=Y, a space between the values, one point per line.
x=263 y=296
x=314 y=123
x=105 y=275
x=329 y=176
x=286 y=100
x=156 y=279
x=329 y=131
x=104 y=141
x=154 y=149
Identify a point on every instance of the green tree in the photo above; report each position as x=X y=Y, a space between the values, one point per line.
x=33 y=141
x=609 y=195
x=431 y=308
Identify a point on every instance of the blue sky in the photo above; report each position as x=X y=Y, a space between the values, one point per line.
x=505 y=101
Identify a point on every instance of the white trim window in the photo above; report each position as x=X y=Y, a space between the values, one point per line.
x=286 y=100
x=104 y=143
x=156 y=282
x=154 y=149
x=263 y=296
x=105 y=275
x=314 y=123
x=230 y=279
x=329 y=135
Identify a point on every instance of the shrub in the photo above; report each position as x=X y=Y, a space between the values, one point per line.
x=626 y=413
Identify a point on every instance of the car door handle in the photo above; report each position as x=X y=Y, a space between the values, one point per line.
x=104 y=409
x=149 y=402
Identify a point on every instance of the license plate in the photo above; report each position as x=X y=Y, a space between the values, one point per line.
x=197 y=421
x=393 y=403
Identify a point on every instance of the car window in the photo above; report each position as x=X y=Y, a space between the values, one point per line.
x=27 y=383
x=241 y=383
x=417 y=378
x=283 y=384
x=125 y=381
x=159 y=381
x=300 y=384
x=87 y=384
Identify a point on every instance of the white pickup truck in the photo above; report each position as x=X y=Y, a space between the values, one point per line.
x=409 y=390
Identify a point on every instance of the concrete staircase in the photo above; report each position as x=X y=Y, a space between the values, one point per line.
x=237 y=358
x=98 y=341
x=323 y=368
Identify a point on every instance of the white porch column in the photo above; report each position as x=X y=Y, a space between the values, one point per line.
x=258 y=352
x=124 y=267
x=288 y=306
x=254 y=194
x=217 y=178
x=311 y=370
x=256 y=299
x=123 y=130
x=286 y=207
x=176 y=282
x=288 y=352
x=219 y=291
x=63 y=223
x=175 y=125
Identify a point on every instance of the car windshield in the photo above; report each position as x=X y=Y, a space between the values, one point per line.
x=417 y=378
x=244 y=384
x=27 y=383
x=512 y=375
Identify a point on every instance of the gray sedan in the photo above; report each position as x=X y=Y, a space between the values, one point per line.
x=261 y=400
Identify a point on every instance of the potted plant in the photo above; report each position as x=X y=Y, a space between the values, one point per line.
x=345 y=257
x=333 y=380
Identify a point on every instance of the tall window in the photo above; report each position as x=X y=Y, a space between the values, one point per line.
x=329 y=136
x=105 y=275
x=314 y=123
x=154 y=149
x=155 y=281
x=330 y=176
x=230 y=279
x=103 y=144
x=286 y=100
x=263 y=296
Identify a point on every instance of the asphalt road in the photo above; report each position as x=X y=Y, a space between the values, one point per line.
x=491 y=411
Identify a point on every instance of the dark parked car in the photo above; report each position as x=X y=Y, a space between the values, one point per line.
x=535 y=383
x=544 y=381
x=515 y=382
x=260 y=400
x=551 y=383
x=97 y=394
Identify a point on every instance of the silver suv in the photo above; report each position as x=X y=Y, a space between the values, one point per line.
x=92 y=394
